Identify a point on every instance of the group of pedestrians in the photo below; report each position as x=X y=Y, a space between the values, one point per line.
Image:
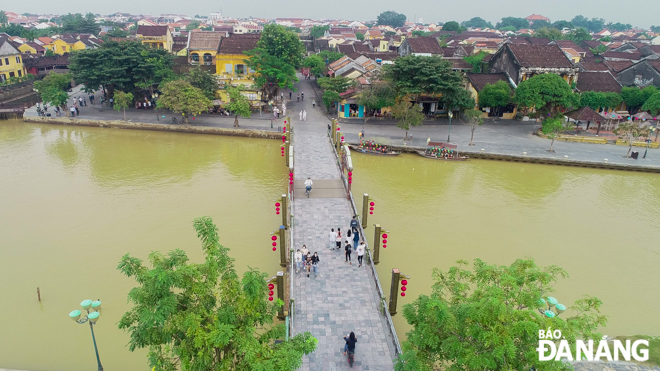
x=305 y=260
x=351 y=242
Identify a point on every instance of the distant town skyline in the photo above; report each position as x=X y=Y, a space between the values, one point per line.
x=430 y=11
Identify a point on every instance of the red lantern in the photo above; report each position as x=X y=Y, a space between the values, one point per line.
x=338 y=128
x=270 y=298
x=371 y=212
x=384 y=241
x=277 y=209
x=384 y=246
x=371 y=208
x=274 y=238
x=274 y=243
x=277 y=213
x=371 y=204
x=283 y=137
x=274 y=248
x=290 y=175
x=277 y=204
x=404 y=288
x=271 y=293
x=403 y=294
x=350 y=173
x=350 y=181
x=342 y=138
x=384 y=235
x=404 y=282
x=271 y=286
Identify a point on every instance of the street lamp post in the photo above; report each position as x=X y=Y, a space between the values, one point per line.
x=450 y=114
x=91 y=318
x=648 y=141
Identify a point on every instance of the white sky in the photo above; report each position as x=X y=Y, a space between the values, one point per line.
x=642 y=13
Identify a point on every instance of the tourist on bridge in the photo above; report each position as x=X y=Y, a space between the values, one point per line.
x=356 y=239
x=300 y=116
x=338 y=239
x=347 y=250
x=354 y=224
x=304 y=253
x=302 y=95
x=315 y=263
x=304 y=115
x=332 y=239
x=308 y=263
x=360 y=252
x=298 y=259
x=313 y=103
x=298 y=97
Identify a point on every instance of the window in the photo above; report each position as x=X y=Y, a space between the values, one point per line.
x=18 y=59
x=7 y=61
x=208 y=58
x=240 y=69
x=20 y=74
x=195 y=57
x=2 y=77
x=0 y=61
x=11 y=74
x=228 y=68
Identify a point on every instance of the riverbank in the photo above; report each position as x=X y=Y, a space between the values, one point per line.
x=117 y=124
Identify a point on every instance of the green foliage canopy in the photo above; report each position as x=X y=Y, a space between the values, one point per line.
x=181 y=97
x=476 y=22
x=486 y=318
x=52 y=89
x=122 y=101
x=635 y=97
x=495 y=95
x=451 y=26
x=407 y=115
x=652 y=104
x=318 y=31
x=546 y=92
x=596 y=99
x=77 y=23
x=203 y=316
x=516 y=23
x=203 y=80
x=593 y=25
x=315 y=63
x=238 y=103
x=391 y=18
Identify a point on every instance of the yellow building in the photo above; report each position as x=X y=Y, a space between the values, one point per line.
x=158 y=37
x=61 y=45
x=477 y=81
x=31 y=48
x=11 y=63
x=373 y=34
x=203 y=46
x=384 y=45
x=231 y=66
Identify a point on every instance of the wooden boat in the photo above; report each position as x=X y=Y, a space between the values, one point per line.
x=370 y=152
x=455 y=155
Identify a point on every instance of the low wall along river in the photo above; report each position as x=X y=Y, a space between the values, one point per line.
x=81 y=197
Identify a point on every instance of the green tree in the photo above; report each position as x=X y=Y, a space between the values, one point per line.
x=181 y=97
x=193 y=25
x=550 y=33
x=635 y=97
x=560 y=25
x=133 y=65
x=540 y=24
x=495 y=95
x=203 y=80
x=318 y=31
x=477 y=22
x=3 y=18
x=49 y=53
x=238 y=103
x=279 y=53
x=597 y=100
x=618 y=27
x=329 y=56
x=418 y=33
x=360 y=36
x=631 y=131
x=578 y=35
x=655 y=29
x=407 y=114
x=77 y=23
x=379 y=94
x=547 y=93
x=516 y=23
x=13 y=29
x=605 y=39
x=116 y=32
x=553 y=127
x=52 y=89
x=652 y=104
x=415 y=75
x=338 y=84
x=600 y=49
x=593 y=25
x=315 y=64
x=474 y=118
x=203 y=316
x=487 y=318
x=391 y=18
x=329 y=97
x=122 y=101
x=476 y=60
x=451 y=26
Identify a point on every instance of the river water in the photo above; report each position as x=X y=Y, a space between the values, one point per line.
x=74 y=200
x=600 y=226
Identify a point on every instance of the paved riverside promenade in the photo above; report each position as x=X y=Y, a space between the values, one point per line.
x=343 y=298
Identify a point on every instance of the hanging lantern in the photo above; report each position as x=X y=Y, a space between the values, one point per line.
x=271 y=286
x=384 y=241
x=277 y=204
x=274 y=248
x=274 y=238
x=274 y=243
x=271 y=293
x=403 y=294
x=371 y=212
x=350 y=173
x=270 y=298
x=384 y=246
x=384 y=235
x=371 y=204
x=277 y=209
x=371 y=208
x=404 y=288
x=404 y=282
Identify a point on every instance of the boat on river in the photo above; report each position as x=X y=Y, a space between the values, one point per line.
x=372 y=148
x=442 y=151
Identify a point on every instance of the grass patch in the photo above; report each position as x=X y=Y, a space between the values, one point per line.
x=654 y=347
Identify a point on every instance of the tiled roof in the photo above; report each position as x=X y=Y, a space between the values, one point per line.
x=536 y=17
x=480 y=80
x=544 y=56
x=623 y=55
x=361 y=47
x=594 y=67
x=568 y=44
x=205 y=40
x=618 y=66
x=152 y=31
x=654 y=63
x=597 y=81
x=585 y=114
x=45 y=39
x=58 y=60
x=539 y=40
x=424 y=44
x=385 y=56
x=459 y=64
x=237 y=44
x=36 y=46
x=345 y=48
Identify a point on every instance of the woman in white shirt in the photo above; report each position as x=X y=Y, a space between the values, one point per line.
x=298 y=260
x=360 y=252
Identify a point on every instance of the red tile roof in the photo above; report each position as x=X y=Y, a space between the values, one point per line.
x=597 y=81
x=480 y=80
x=237 y=44
x=623 y=55
x=544 y=56
x=424 y=44
x=152 y=31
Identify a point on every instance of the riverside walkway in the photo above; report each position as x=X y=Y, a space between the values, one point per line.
x=343 y=298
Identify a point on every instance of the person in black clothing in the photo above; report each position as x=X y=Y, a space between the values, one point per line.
x=315 y=263
x=354 y=224
x=350 y=343
x=348 y=248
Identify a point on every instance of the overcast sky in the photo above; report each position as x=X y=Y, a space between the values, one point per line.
x=642 y=13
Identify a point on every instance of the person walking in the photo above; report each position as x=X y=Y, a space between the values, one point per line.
x=356 y=239
x=282 y=96
x=298 y=97
x=315 y=263
x=313 y=103
x=289 y=95
x=347 y=250
x=73 y=111
x=304 y=115
x=80 y=101
x=85 y=101
x=304 y=253
x=298 y=259
x=308 y=263
x=360 y=252
x=77 y=109
x=354 y=224
x=300 y=116
x=302 y=95
x=338 y=239
x=332 y=238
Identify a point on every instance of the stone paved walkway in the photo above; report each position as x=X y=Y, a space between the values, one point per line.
x=343 y=297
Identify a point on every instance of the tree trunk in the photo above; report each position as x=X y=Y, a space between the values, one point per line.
x=472 y=136
x=236 y=121
x=406 y=138
x=185 y=119
x=552 y=143
x=124 y=113
x=629 y=149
